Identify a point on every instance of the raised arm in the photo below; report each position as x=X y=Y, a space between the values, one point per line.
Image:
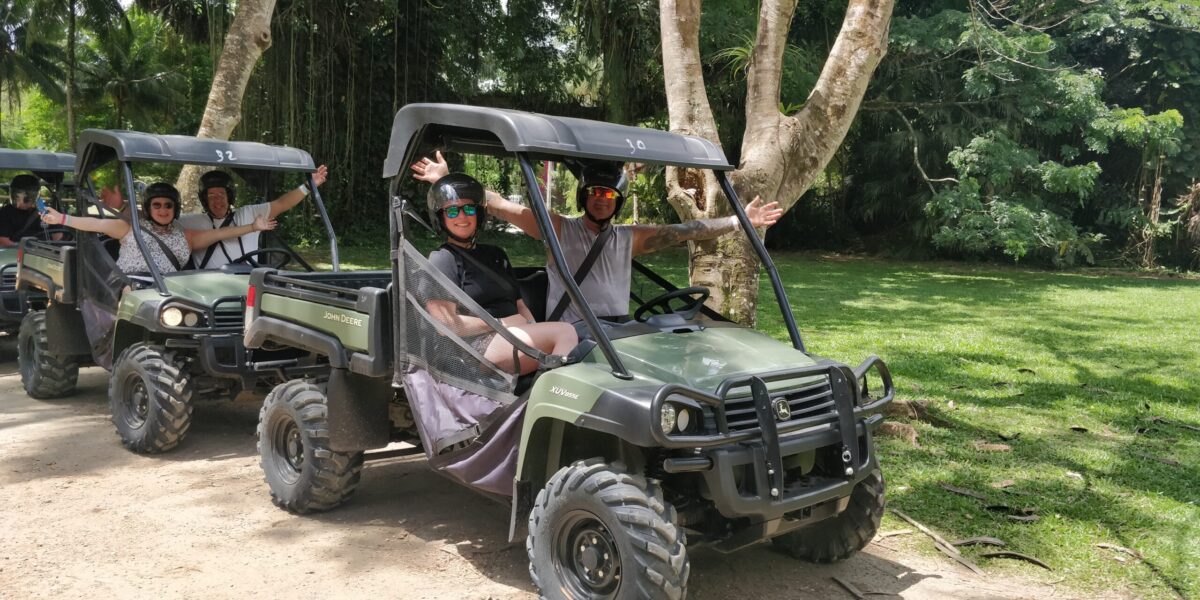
x=522 y=217
x=289 y=200
x=202 y=238
x=652 y=238
x=114 y=228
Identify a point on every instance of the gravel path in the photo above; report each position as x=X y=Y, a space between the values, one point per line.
x=82 y=517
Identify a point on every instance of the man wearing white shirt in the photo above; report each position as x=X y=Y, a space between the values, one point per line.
x=217 y=196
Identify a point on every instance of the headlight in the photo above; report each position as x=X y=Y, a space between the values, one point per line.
x=683 y=419
x=190 y=319
x=667 y=422
x=172 y=317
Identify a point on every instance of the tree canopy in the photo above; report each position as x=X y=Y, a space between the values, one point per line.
x=1054 y=132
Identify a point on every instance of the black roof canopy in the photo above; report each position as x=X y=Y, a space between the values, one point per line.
x=50 y=166
x=501 y=131
x=101 y=145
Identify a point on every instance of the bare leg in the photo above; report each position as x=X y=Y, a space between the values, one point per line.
x=551 y=338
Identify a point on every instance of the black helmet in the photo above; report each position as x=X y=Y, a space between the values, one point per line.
x=451 y=188
x=161 y=189
x=26 y=183
x=606 y=174
x=214 y=179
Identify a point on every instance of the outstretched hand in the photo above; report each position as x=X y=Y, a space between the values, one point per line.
x=52 y=217
x=430 y=171
x=320 y=175
x=763 y=215
x=263 y=224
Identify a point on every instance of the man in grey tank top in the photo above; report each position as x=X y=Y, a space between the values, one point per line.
x=606 y=287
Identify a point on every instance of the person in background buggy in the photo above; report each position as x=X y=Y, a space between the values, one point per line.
x=19 y=219
x=170 y=244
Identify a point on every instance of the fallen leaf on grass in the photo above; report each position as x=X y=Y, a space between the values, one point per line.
x=1173 y=423
x=1024 y=518
x=1008 y=437
x=964 y=492
x=1078 y=429
x=1003 y=484
x=1116 y=548
x=1009 y=510
x=982 y=540
x=1074 y=475
x=1017 y=555
x=990 y=447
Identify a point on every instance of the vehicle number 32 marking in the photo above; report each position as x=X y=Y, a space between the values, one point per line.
x=635 y=145
x=225 y=155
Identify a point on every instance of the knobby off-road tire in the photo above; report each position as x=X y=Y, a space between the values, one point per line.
x=304 y=475
x=150 y=397
x=596 y=531
x=840 y=537
x=44 y=375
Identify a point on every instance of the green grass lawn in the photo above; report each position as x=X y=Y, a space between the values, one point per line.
x=1021 y=354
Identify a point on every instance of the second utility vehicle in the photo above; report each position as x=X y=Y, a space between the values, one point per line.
x=168 y=338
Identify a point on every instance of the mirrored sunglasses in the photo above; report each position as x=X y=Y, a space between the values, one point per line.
x=601 y=193
x=467 y=209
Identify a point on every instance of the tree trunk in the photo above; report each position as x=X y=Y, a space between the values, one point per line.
x=71 y=31
x=249 y=36
x=781 y=156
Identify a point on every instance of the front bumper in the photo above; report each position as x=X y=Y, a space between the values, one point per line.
x=758 y=454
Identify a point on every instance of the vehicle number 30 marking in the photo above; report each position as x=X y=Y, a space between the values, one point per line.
x=635 y=145
x=224 y=155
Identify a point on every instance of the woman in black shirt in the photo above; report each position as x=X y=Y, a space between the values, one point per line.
x=484 y=273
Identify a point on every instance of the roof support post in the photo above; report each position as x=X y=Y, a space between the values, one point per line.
x=780 y=296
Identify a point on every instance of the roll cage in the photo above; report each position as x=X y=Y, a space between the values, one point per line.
x=253 y=162
x=419 y=129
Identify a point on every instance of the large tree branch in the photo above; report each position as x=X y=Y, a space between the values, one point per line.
x=809 y=139
x=766 y=63
x=688 y=109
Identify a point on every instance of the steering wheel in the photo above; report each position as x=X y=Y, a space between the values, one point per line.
x=249 y=258
x=696 y=295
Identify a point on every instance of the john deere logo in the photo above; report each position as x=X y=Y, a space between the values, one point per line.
x=783 y=412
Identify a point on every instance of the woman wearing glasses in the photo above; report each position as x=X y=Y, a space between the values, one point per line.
x=455 y=205
x=161 y=231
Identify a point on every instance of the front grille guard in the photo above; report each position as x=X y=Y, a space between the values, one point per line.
x=847 y=395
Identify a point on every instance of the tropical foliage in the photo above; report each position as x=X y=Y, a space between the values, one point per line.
x=1050 y=132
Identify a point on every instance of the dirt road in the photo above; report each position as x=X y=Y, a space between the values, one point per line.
x=82 y=517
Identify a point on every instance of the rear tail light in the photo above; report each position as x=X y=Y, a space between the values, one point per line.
x=250 y=297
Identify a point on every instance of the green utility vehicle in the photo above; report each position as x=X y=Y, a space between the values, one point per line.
x=49 y=168
x=169 y=339
x=679 y=426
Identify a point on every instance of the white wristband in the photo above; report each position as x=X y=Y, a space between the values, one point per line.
x=303 y=189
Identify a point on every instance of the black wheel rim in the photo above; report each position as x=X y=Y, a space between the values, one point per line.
x=586 y=558
x=287 y=445
x=137 y=402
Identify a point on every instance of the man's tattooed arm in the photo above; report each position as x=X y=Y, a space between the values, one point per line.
x=647 y=239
